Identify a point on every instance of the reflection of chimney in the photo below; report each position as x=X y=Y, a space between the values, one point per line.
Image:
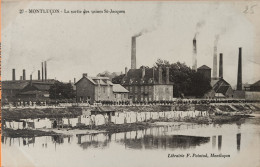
x=213 y=142
x=239 y=73
x=133 y=53
x=42 y=73
x=39 y=75
x=143 y=72
x=24 y=76
x=167 y=75
x=215 y=62
x=194 y=56
x=160 y=75
x=221 y=65
x=126 y=70
x=238 y=141
x=13 y=75
x=45 y=64
x=219 y=142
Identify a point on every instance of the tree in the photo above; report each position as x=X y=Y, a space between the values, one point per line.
x=118 y=79
x=61 y=90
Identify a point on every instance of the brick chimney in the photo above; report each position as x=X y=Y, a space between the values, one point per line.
x=167 y=75
x=24 y=75
x=194 y=55
x=85 y=75
x=39 y=75
x=133 y=53
x=239 y=72
x=42 y=73
x=45 y=64
x=13 y=75
x=221 y=65
x=160 y=75
x=31 y=79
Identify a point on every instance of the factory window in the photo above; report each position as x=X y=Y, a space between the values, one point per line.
x=115 y=95
x=136 y=89
x=130 y=89
x=142 y=89
x=104 y=89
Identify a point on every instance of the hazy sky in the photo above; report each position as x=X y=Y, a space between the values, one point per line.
x=92 y=43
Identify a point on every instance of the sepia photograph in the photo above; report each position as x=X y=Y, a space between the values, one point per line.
x=130 y=83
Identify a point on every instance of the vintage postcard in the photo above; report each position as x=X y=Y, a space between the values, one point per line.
x=130 y=83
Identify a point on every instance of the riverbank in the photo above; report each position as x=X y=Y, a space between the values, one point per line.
x=27 y=133
x=12 y=114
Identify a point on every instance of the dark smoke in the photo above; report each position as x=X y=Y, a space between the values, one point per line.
x=199 y=25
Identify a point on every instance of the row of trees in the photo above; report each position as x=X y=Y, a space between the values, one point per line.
x=186 y=82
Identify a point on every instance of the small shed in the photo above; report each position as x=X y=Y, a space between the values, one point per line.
x=104 y=110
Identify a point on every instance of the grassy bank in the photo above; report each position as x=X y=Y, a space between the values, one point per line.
x=27 y=133
x=26 y=113
x=33 y=113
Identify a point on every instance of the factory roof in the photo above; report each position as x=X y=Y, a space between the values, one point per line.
x=97 y=80
x=204 y=67
x=117 y=88
x=256 y=83
x=151 y=77
x=220 y=85
x=18 y=85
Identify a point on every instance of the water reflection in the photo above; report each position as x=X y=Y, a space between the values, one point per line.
x=213 y=142
x=219 y=142
x=142 y=140
x=238 y=141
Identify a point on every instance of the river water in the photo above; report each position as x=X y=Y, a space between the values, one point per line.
x=170 y=145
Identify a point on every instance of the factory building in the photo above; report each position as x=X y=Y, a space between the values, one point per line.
x=148 y=84
x=93 y=89
x=27 y=89
x=220 y=87
x=120 y=93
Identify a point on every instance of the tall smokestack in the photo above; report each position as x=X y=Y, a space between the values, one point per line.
x=24 y=76
x=45 y=64
x=21 y=77
x=31 y=79
x=221 y=65
x=215 y=59
x=194 y=55
x=42 y=73
x=39 y=75
x=239 y=72
x=13 y=75
x=133 y=53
